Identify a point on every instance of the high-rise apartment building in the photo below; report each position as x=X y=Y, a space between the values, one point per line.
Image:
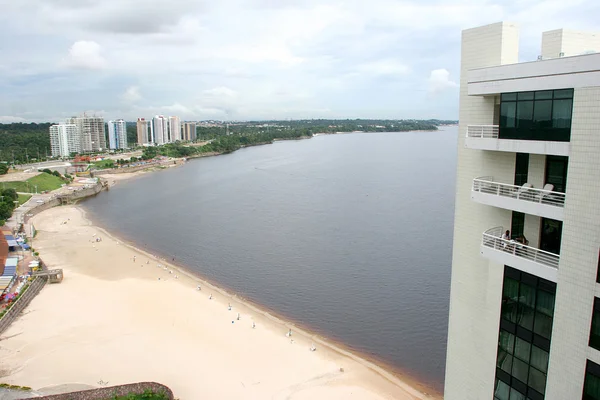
x=525 y=299
x=160 y=130
x=64 y=140
x=174 y=129
x=117 y=134
x=143 y=137
x=91 y=131
x=189 y=131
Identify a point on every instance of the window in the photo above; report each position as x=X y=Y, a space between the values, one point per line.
x=556 y=172
x=544 y=115
x=598 y=270
x=595 y=330
x=591 y=385
x=550 y=235
x=524 y=339
x=521 y=168
x=517 y=225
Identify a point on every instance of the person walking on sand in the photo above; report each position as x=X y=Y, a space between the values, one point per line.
x=133 y=258
x=210 y=297
x=238 y=316
x=198 y=288
x=253 y=325
x=229 y=307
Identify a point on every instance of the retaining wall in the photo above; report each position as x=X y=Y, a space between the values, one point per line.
x=111 y=392
x=23 y=301
x=138 y=168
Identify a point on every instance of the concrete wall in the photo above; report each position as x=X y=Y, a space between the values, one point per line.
x=476 y=286
x=579 y=253
x=570 y=43
x=111 y=392
x=11 y=315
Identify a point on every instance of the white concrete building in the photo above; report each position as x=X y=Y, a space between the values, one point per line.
x=525 y=311
x=64 y=140
x=189 y=131
x=144 y=137
x=117 y=134
x=91 y=131
x=160 y=130
x=174 y=129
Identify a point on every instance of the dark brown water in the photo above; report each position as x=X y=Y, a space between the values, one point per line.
x=348 y=235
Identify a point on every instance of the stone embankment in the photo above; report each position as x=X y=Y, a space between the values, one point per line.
x=126 y=170
x=113 y=391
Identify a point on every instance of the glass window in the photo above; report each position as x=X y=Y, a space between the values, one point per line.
x=502 y=390
x=527 y=295
x=504 y=361
x=521 y=168
x=561 y=113
x=556 y=172
x=537 y=380
x=525 y=316
x=510 y=298
x=508 y=97
x=506 y=341
x=545 y=302
x=542 y=113
x=520 y=370
x=525 y=96
x=543 y=325
x=539 y=358
x=543 y=95
x=515 y=395
x=522 y=349
x=591 y=386
x=508 y=114
x=550 y=235
x=525 y=114
x=517 y=225
x=595 y=331
x=563 y=94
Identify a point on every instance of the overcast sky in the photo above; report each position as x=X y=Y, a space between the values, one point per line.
x=252 y=59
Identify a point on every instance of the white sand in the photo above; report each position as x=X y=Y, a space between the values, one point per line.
x=113 y=320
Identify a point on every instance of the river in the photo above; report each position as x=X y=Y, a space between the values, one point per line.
x=349 y=235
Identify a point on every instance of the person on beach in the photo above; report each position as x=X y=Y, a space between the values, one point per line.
x=253 y=325
x=133 y=258
x=238 y=316
x=198 y=288
x=289 y=334
x=210 y=297
x=229 y=307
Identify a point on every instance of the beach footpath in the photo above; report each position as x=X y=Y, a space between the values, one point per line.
x=122 y=316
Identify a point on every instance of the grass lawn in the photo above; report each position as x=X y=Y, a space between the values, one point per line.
x=104 y=164
x=43 y=181
x=23 y=198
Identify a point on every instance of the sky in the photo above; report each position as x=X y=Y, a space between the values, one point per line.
x=252 y=59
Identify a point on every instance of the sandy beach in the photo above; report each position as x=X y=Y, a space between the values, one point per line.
x=121 y=315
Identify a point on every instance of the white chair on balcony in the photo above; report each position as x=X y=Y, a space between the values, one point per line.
x=546 y=193
x=523 y=191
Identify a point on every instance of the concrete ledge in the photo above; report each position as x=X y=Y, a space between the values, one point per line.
x=108 y=393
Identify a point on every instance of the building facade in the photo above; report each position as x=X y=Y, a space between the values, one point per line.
x=174 y=129
x=143 y=134
x=524 y=304
x=189 y=131
x=160 y=130
x=91 y=131
x=117 y=134
x=64 y=140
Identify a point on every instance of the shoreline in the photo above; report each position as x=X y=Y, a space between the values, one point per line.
x=123 y=311
x=392 y=373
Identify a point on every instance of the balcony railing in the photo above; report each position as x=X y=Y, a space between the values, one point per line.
x=492 y=238
x=486 y=185
x=483 y=131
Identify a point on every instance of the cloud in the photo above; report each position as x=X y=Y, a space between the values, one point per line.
x=131 y=95
x=384 y=67
x=8 y=119
x=439 y=80
x=85 y=55
x=221 y=91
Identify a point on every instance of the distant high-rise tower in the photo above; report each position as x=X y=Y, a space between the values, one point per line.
x=174 y=129
x=142 y=132
x=117 y=134
x=64 y=140
x=91 y=131
x=160 y=129
x=189 y=131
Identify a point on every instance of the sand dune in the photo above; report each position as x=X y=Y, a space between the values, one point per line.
x=117 y=320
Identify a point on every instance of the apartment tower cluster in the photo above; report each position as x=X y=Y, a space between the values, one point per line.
x=85 y=134
x=161 y=130
x=525 y=293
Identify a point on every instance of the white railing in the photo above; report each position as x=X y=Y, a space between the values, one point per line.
x=482 y=131
x=486 y=185
x=492 y=238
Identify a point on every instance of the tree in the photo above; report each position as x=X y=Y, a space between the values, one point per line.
x=5 y=210
x=56 y=173
x=9 y=194
x=3 y=169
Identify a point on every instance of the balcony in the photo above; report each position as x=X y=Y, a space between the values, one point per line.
x=525 y=258
x=526 y=199
x=488 y=137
